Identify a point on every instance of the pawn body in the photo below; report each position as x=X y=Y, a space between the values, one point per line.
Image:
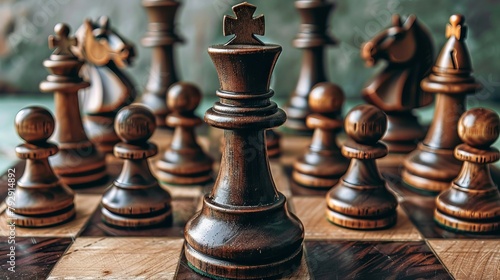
x=472 y=203
x=361 y=200
x=41 y=199
x=135 y=199
x=323 y=164
x=184 y=161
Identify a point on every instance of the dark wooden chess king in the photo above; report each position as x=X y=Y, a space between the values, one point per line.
x=472 y=203
x=161 y=37
x=244 y=229
x=361 y=200
x=323 y=164
x=135 y=199
x=396 y=90
x=104 y=52
x=78 y=162
x=41 y=199
x=312 y=39
x=432 y=166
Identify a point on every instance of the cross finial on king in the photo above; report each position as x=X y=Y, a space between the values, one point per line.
x=62 y=42
x=244 y=26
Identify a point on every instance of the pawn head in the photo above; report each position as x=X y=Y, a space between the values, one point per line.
x=183 y=97
x=478 y=127
x=365 y=124
x=34 y=124
x=135 y=124
x=325 y=98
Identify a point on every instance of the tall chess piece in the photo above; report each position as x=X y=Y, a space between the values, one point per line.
x=161 y=37
x=135 y=199
x=244 y=229
x=184 y=161
x=323 y=164
x=78 y=162
x=312 y=38
x=432 y=166
x=408 y=50
x=361 y=200
x=472 y=204
x=104 y=52
x=40 y=198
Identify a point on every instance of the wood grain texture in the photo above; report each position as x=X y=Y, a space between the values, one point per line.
x=469 y=259
x=85 y=206
x=120 y=258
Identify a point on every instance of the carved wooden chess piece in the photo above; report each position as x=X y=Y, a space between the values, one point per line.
x=396 y=90
x=323 y=164
x=161 y=37
x=244 y=229
x=361 y=200
x=312 y=38
x=78 y=162
x=184 y=161
x=135 y=199
x=104 y=52
x=432 y=166
x=40 y=198
x=472 y=204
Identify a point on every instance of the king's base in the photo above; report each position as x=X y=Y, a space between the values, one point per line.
x=461 y=225
x=45 y=220
x=372 y=223
x=225 y=269
x=136 y=221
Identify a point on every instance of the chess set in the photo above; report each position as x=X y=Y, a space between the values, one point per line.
x=112 y=185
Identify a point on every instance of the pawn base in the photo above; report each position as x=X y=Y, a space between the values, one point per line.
x=461 y=225
x=315 y=182
x=185 y=180
x=45 y=220
x=137 y=221
x=379 y=222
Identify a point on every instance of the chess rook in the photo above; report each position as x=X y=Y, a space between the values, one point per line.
x=432 y=166
x=472 y=203
x=184 y=162
x=41 y=199
x=396 y=89
x=312 y=39
x=78 y=162
x=244 y=229
x=161 y=37
x=323 y=164
x=135 y=199
x=361 y=200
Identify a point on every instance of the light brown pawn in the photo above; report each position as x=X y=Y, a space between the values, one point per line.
x=472 y=204
x=41 y=199
x=135 y=199
x=323 y=164
x=361 y=200
x=184 y=161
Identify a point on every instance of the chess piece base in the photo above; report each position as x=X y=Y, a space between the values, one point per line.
x=50 y=219
x=461 y=225
x=184 y=179
x=144 y=221
x=315 y=170
x=380 y=222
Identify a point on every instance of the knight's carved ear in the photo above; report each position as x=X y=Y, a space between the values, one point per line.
x=396 y=20
x=410 y=22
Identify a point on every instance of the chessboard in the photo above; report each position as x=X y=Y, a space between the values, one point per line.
x=86 y=248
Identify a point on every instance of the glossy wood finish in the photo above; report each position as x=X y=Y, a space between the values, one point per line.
x=104 y=52
x=244 y=229
x=78 y=163
x=361 y=200
x=472 y=203
x=40 y=199
x=432 y=166
x=161 y=37
x=312 y=39
x=273 y=145
x=184 y=162
x=323 y=164
x=407 y=47
x=135 y=199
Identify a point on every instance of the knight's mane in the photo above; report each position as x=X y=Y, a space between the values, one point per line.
x=425 y=48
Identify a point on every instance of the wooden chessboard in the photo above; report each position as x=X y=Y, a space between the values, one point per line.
x=416 y=248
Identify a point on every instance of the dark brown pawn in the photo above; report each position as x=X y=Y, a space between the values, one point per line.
x=432 y=167
x=323 y=163
x=361 y=199
x=40 y=198
x=184 y=161
x=472 y=204
x=135 y=199
x=161 y=37
x=78 y=162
